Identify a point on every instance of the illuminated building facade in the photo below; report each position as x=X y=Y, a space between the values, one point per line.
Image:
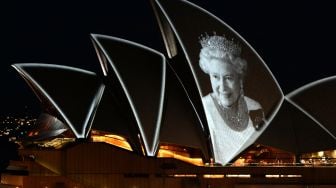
x=151 y=107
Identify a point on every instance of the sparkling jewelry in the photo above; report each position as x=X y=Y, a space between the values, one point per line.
x=236 y=118
x=221 y=43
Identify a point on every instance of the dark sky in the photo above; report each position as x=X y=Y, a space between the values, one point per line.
x=296 y=40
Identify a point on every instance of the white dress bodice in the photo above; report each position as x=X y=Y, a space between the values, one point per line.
x=226 y=142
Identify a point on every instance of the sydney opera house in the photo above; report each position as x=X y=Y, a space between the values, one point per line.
x=206 y=113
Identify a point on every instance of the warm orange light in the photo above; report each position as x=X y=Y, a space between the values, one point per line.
x=239 y=162
x=238 y=175
x=165 y=153
x=116 y=137
x=283 y=176
x=184 y=175
x=113 y=140
x=213 y=176
x=320 y=153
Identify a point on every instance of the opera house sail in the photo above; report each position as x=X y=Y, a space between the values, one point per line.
x=210 y=100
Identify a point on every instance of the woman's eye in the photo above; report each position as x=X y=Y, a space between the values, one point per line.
x=215 y=76
x=229 y=78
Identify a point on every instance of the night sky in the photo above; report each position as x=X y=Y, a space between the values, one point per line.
x=297 y=41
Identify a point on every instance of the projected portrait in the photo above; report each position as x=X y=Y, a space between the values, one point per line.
x=232 y=116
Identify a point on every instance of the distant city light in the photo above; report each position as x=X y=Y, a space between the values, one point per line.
x=15 y=127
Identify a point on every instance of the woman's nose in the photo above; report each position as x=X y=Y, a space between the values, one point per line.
x=223 y=85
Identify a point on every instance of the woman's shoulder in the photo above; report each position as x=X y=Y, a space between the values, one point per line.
x=207 y=98
x=255 y=112
x=252 y=104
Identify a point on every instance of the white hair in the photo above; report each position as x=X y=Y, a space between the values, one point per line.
x=208 y=53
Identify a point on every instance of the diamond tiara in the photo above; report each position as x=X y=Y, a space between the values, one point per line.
x=221 y=43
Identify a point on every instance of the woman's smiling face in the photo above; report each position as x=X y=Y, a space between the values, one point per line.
x=225 y=82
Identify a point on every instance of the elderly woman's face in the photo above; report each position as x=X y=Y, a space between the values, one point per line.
x=225 y=82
